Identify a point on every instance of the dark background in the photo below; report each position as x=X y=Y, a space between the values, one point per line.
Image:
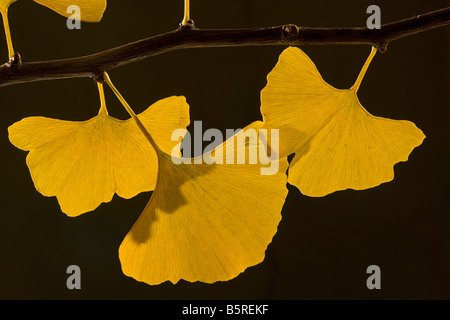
x=323 y=245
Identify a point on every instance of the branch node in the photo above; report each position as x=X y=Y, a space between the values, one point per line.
x=99 y=77
x=189 y=25
x=15 y=62
x=381 y=46
x=290 y=32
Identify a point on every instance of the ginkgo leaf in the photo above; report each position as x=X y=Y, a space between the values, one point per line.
x=90 y=10
x=83 y=163
x=337 y=144
x=205 y=222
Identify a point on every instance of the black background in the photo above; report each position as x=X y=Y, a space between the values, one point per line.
x=323 y=245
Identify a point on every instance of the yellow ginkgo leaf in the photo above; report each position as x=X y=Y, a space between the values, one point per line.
x=83 y=163
x=90 y=10
x=337 y=144
x=205 y=222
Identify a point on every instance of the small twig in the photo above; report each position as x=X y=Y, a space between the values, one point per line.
x=188 y=36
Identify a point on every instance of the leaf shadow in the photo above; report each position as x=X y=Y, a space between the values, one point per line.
x=168 y=196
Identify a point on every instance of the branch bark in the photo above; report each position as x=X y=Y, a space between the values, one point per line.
x=14 y=71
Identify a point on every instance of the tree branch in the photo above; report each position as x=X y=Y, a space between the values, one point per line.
x=14 y=71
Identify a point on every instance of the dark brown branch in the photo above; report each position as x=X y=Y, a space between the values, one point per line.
x=190 y=37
